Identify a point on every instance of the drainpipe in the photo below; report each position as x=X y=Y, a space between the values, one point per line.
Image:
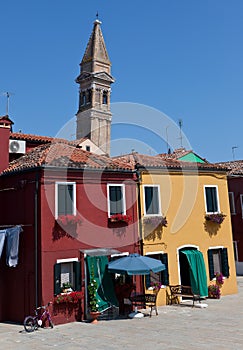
x=36 y=239
x=140 y=212
x=140 y=221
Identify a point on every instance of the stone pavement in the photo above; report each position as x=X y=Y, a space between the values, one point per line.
x=219 y=326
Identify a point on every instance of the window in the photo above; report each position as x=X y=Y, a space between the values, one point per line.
x=236 y=255
x=232 y=202
x=105 y=98
x=68 y=271
x=88 y=148
x=211 y=199
x=65 y=198
x=83 y=98
x=151 y=200
x=89 y=96
x=218 y=262
x=116 y=200
x=159 y=277
x=241 y=204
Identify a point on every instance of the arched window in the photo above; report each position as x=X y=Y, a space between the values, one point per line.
x=105 y=98
x=89 y=96
x=83 y=98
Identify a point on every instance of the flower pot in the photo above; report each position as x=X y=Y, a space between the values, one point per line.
x=94 y=316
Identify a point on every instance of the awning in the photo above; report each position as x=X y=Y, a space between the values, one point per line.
x=99 y=251
x=105 y=292
x=198 y=275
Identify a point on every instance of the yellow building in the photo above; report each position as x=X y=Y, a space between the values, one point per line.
x=177 y=202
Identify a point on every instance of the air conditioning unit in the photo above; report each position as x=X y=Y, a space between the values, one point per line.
x=17 y=146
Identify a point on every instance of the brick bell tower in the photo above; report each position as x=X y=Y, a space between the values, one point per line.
x=94 y=115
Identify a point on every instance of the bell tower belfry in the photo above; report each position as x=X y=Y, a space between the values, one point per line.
x=94 y=115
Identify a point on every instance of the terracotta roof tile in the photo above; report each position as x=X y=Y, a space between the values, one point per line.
x=59 y=154
x=235 y=167
x=147 y=161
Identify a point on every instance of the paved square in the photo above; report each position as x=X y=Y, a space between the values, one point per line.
x=219 y=326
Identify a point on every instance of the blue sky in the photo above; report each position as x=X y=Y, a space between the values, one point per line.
x=183 y=58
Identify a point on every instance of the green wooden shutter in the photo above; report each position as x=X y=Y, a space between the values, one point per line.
x=147 y=281
x=210 y=264
x=77 y=274
x=165 y=273
x=225 y=263
x=57 y=279
x=61 y=199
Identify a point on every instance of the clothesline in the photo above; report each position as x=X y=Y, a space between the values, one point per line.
x=7 y=226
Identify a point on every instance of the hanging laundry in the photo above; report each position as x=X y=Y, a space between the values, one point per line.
x=12 y=236
x=2 y=239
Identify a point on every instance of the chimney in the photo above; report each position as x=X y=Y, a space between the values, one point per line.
x=5 y=128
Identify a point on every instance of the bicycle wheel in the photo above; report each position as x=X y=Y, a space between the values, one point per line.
x=29 y=324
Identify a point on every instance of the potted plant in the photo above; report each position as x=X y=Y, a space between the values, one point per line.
x=67 y=287
x=92 y=296
x=214 y=291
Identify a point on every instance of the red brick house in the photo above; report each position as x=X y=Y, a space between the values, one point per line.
x=49 y=182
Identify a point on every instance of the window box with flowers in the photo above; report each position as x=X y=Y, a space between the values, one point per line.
x=66 y=220
x=120 y=218
x=217 y=218
x=155 y=221
x=68 y=298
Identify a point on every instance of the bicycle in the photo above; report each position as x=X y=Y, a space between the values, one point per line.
x=31 y=323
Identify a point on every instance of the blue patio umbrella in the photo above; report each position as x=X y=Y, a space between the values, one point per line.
x=135 y=264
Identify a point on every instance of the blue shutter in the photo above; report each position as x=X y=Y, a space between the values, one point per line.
x=147 y=281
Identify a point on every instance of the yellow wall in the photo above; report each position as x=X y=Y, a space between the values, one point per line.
x=183 y=204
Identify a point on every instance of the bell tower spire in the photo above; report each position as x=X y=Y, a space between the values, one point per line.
x=94 y=115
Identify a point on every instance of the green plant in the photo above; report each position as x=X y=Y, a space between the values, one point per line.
x=214 y=291
x=66 y=285
x=92 y=292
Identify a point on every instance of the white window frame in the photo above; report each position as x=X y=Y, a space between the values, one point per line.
x=241 y=203
x=159 y=200
x=205 y=199
x=68 y=261
x=56 y=196
x=232 y=202
x=123 y=196
x=218 y=248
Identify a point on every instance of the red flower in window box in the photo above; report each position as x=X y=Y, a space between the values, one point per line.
x=120 y=217
x=66 y=220
x=72 y=297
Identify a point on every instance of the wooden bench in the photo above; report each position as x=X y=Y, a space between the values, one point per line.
x=144 y=300
x=178 y=291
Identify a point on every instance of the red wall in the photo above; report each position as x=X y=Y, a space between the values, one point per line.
x=235 y=185
x=18 y=207
x=4 y=148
